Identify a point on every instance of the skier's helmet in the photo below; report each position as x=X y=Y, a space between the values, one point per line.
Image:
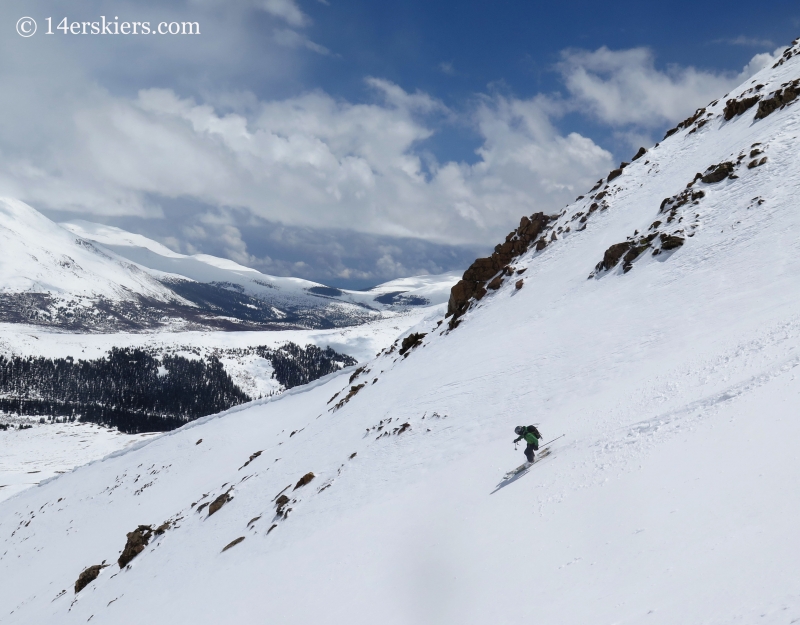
x=519 y=430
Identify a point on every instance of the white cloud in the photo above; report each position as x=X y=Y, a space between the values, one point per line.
x=624 y=88
x=286 y=10
x=314 y=161
x=292 y=39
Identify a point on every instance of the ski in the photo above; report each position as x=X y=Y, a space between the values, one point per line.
x=543 y=453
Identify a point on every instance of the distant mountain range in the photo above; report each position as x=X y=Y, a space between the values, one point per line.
x=83 y=276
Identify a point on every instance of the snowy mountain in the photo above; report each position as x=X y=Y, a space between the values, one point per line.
x=202 y=268
x=655 y=323
x=83 y=276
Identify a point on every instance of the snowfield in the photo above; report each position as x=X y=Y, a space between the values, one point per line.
x=671 y=499
x=44 y=451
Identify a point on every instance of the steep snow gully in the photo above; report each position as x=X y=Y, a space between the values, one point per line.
x=372 y=496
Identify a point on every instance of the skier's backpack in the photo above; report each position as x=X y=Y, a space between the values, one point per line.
x=534 y=431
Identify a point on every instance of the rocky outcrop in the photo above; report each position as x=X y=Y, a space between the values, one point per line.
x=734 y=107
x=780 y=98
x=671 y=241
x=639 y=154
x=612 y=256
x=306 y=479
x=233 y=543
x=217 y=504
x=688 y=122
x=473 y=283
x=88 y=576
x=410 y=342
x=138 y=539
x=788 y=53
x=718 y=173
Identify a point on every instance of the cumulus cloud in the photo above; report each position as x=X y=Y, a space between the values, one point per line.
x=315 y=161
x=284 y=9
x=624 y=87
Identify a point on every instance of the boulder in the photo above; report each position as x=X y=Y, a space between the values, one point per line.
x=217 y=504
x=306 y=479
x=717 y=173
x=734 y=108
x=138 y=539
x=88 y=576
x=671 y=241
x=613 y=254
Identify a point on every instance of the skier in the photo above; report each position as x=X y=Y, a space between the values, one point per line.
x=531 y=436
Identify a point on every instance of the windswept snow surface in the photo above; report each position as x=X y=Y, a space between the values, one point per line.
x=44 y=451
x=672 y=498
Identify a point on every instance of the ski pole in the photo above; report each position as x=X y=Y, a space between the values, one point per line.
x=555 y=439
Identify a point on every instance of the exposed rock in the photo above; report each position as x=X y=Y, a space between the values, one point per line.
x=717 y=173
x=737 y=107
x=357 y=373
x=353 y=455
x=218 y=503
x=402 y=428
x=198 y=442
x=685 y=123
x=162 y=528
x=671 y=241
x=484 y=269
x=411 y=341
x=639 y=154
x=632 y=254
x=612 y=255
x=519 y=284
x=281 y=502
x=306 y=479
x=756 y=162
x=614 y=173
x=778 y=99
x=253 y=520
x=88 y=576
x=233 y=543
x=253 y=456
x=495 y=284
x=351 y=393
x=138 y=539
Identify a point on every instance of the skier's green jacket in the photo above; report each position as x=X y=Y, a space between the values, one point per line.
x=531 y=436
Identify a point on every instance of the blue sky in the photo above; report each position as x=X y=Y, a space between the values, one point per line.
x=348 y=141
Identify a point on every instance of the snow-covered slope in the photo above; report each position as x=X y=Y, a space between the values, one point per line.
x=46 y=450
x=671 y=499
x=420 y=290
x=39 y=256
x=83 y=276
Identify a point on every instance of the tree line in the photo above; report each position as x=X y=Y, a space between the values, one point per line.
x=135 y=391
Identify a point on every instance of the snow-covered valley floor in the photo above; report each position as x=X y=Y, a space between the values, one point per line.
x=30 y=456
